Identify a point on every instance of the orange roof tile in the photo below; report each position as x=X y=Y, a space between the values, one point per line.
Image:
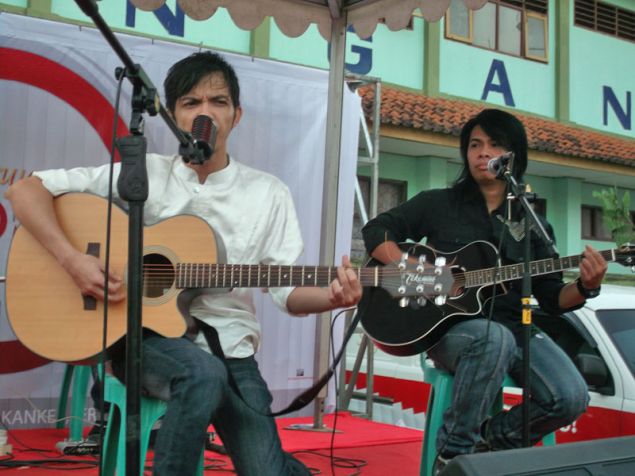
x=446 y=116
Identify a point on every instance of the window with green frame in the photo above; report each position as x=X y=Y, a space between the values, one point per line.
x=514 y=27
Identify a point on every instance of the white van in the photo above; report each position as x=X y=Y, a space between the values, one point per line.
x=599 y=338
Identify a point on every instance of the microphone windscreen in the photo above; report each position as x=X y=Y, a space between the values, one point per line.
x=202 y=128
x=203 y=133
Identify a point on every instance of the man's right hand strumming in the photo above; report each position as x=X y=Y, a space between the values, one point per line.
x=88 y=274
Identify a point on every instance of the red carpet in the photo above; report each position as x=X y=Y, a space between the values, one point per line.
x=360 y=447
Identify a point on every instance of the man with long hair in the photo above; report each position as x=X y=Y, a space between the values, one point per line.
x=480 y=352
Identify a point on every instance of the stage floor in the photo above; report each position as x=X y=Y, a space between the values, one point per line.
x=359 y=447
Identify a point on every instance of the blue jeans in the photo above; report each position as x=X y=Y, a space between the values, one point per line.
x=479 y=354
x=195 y=385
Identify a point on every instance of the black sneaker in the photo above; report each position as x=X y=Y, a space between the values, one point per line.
x=96 y=432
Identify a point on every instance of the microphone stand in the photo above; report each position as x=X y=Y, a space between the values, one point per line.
x=519 y=192
x=132 y=186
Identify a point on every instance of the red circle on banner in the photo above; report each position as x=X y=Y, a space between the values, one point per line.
x=40 y=72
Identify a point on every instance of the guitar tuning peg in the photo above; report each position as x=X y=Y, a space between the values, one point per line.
x=404 y=301
x=439 y=263
x=403 y=261
x=440 y=300
x=401 y=289
x=419 y=289
x=422 y=262
x=422 y=301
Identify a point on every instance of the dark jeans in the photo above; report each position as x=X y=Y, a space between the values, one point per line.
x=195 y=385
x=480 y=355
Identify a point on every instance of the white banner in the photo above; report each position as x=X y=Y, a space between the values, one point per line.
x=57 y=89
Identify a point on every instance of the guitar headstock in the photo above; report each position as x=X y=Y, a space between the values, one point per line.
x=625 y=255
x=414 y=278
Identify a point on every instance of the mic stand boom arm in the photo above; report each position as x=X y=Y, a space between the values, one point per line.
x=148 y=100
x=519 y=191
x=133 y=187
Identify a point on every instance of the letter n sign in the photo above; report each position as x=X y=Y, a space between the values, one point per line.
x=625 y=117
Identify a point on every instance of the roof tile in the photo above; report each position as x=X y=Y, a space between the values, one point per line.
x=446 y=116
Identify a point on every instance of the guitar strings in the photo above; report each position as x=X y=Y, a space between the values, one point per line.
x=165 y=273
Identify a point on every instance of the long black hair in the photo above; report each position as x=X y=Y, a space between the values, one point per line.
x=506 y=130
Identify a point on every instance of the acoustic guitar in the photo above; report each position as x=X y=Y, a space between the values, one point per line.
x=181 y=260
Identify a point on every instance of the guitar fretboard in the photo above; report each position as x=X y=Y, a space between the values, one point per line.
x=484 y=277
x=201 y=275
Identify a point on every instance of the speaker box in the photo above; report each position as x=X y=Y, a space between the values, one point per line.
x=607 y=457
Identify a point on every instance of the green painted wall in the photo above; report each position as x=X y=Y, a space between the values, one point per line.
x=599 y=61
x=15 y=3
x=398 y=56
x=563 y=212
x=464 y=71
x=375 y=56
x=309 y=49
x=420 y=173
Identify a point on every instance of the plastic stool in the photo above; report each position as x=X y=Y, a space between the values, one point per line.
x=114 y=449
x=78 y=375
x=440 y=398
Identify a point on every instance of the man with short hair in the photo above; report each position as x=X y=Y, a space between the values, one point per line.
x=253 y=213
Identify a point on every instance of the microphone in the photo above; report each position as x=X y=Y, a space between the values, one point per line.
x=498 y=165
x=203 y=141
x=204 y=135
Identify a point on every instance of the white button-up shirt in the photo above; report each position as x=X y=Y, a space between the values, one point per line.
x=252 y=212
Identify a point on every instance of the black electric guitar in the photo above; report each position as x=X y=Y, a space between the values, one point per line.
x=466 y=279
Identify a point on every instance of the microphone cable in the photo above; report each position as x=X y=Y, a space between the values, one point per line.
x=101 y=370
x=337 y=461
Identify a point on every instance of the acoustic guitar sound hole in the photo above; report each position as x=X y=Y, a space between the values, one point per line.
x=158 y=275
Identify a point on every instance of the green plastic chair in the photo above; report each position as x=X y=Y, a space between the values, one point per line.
x=76 y=376
x=114 y=448
x=440 y=398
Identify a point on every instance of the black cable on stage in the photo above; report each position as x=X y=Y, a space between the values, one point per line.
x=336 y=461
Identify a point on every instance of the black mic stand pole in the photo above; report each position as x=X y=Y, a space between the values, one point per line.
x=133 y=187
x=519 y=192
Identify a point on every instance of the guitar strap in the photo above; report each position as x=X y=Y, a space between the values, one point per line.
x=302 y=400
